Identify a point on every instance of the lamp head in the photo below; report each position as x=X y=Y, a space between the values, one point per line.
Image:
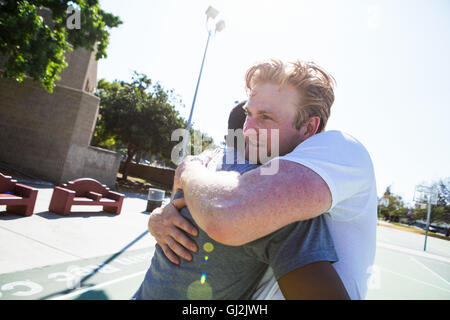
x=220 y=26
x=211 y=12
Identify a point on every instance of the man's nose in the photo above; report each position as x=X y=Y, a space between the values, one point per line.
x=250 y=123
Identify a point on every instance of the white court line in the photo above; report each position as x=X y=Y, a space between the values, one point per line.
x=412 y=251
x=413 y=279
x=433 y=272
x=76 y=293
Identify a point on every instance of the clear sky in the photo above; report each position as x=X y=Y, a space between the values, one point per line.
x=391 y=61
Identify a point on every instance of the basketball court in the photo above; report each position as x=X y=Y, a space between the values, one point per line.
x=93 y=255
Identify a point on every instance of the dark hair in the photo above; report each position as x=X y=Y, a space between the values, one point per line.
x=237 y=116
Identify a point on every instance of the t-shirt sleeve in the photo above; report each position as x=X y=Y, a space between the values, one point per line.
x=294 y=246
x=341 y=161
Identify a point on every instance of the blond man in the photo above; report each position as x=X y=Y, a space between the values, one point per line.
x=319 y=172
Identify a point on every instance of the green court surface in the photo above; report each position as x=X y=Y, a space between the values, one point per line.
x=402 y=270
x=114 y=277
x=405 y=276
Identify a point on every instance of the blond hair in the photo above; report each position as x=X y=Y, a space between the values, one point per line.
x=314 y=85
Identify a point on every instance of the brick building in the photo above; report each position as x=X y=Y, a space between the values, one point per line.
x=49 y=135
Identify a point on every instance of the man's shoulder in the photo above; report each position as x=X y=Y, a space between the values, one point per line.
x=335 y=136
x=333 y=144
x=341 y=161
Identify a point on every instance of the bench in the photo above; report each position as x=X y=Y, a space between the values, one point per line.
x=85 y=192
x=18 y=198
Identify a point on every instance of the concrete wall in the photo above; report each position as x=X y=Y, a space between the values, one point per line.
x=48 y=135
x=36 y=127
x=92 y=162
x=82 y=71
x=163 y=177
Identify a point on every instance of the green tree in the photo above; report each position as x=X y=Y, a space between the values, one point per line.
x=395 y=201
x=36 y=48
x=395 y=209
x=443 y=189
x=138 y=115
x=388 y=191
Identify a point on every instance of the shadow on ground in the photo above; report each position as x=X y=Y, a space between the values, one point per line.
x=75 y=214
x=83 y=282
x=93 y=295
x=9 y=216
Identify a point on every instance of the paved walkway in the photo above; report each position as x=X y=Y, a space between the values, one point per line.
x=47 y=239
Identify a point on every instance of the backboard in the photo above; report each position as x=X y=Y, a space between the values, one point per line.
x=422 y=193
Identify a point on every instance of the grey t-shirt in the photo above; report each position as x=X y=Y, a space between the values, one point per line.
x=218 y=271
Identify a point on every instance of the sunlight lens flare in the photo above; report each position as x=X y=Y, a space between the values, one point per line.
x=203 y=278
x=208 y=247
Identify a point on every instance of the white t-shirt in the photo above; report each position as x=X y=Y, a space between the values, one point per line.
x=345 y=165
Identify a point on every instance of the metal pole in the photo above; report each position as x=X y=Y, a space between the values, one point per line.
x=186 y=134
x=428 y=222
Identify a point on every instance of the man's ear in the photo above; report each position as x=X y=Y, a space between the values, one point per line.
x=310 y=127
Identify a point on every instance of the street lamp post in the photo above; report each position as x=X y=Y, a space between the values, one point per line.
x=211 y=13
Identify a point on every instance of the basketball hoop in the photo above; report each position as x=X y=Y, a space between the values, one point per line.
x=424 y=196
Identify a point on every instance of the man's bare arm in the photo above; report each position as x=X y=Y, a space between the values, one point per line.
x=235 y=209
x=315 y=281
